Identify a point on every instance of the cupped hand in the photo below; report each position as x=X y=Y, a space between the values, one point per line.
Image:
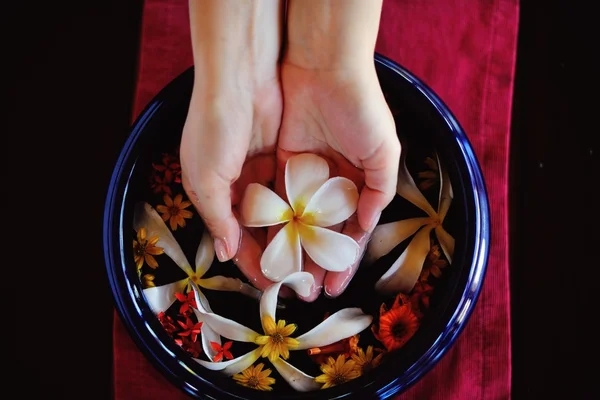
x=228 y=142
x=342 y=115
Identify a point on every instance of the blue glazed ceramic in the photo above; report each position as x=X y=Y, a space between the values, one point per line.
x=426 y=125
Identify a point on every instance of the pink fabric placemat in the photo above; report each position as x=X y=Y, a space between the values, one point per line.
x=465 y=51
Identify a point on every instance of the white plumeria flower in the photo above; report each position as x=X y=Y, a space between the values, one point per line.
x=315 y=203
x=404 y=273
x=160 y=298
x=275 y=342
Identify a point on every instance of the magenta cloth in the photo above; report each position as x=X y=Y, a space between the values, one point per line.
x=465 y=50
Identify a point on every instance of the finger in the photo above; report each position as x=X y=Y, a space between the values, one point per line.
x=381 y=177
x=336 y=282
x=211 y=196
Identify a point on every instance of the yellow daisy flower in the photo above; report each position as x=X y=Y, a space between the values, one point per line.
x=276 y=341
x=255 y=378
x=364 y=360
x=148 y=281
x=175 y=211
x=144 y=250
x=337 y=372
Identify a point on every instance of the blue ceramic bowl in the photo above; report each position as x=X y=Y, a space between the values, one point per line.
x=426 y=125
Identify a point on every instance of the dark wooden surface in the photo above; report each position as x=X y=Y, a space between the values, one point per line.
x=70 y=83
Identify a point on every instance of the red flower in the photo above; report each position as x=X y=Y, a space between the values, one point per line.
x=190 y=329
x=193 y=348
x=167 y=323
x=170 y=166
x=161 y=184
x=396 y=325
x=419 y=298
x=187 y=302
x=222 y=352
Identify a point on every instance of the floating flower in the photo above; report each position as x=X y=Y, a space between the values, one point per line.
x=434 y=264
x=404 y=273
x=192 y=348
x=144 y=250
x=255 y=377
x=396 y=325
x=175 y=211
x=161 y=183
x=419 y=298
x=337 y=372
x=148 y=281
x=161 y=297
x=430 y=176
x=189 y=328
x=364 y=359
x=272 y=344
x=170 y=167
x=315 y=203
x=222 y=351
x=187 y=302
x=167 y=323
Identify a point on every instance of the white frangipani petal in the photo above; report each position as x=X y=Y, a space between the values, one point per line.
x=232 y=367
x=304 y=175
x=205 y=254
x=341 y=325
x=160 y=298
x=403 y=274
x=145 y=216
x=229 y=328
x=446 y=242
x=263 y=207
x=407 y=188
x=300 y=282
x=207 y=335
x=297 y=379
x=387 y=236
x=446 y=192
x=334 y=202
x=224 y=283
x=283 y=255
x=330 y=250
x=201 y=300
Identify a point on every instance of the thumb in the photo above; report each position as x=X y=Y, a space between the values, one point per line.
x=211 y=195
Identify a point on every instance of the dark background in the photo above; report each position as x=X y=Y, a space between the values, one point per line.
x=71 y=79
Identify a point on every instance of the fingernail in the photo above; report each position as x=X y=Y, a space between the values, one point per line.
x=374 y=222
x=221 y=249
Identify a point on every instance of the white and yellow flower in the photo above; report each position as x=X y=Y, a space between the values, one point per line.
x=315 y=203
x=404 y=273
x=160 y=298
x=275 y=342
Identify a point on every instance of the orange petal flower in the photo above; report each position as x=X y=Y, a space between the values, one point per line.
x=144 y=250
x=396 y=325
x=175 y=211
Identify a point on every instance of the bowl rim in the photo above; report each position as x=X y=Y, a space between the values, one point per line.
x=125 y=295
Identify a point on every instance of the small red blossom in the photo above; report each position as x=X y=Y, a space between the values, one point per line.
x=167 y=323
x=222 y=351
x=187 y=302
x=161 y=183
x=190 y=329
x=170 y=166
x=192 y=348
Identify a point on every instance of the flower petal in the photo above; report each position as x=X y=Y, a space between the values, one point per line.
x=297 y=379
x=263 y=207
x=146 y=217
x=446 y=242
x=228 y=328
x=234 y=366
x=387 y=236
x=341 y=325
x=446 y=192
x=407 y=188
x=334 y=202
x=160 y=298
x=304 y=175
x=205 y=254
x=201 y=300
x=283 y=255
x=403 y=274
x=300 y=282
x=330 y=250
x=207 y=335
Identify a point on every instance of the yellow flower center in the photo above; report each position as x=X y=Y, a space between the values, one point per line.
x=275 y=342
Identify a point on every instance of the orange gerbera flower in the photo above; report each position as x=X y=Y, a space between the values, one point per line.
x=175 y=211
x=396 y=325
x=144 y=250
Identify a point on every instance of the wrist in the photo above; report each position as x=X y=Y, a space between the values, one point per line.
x=332 y=35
